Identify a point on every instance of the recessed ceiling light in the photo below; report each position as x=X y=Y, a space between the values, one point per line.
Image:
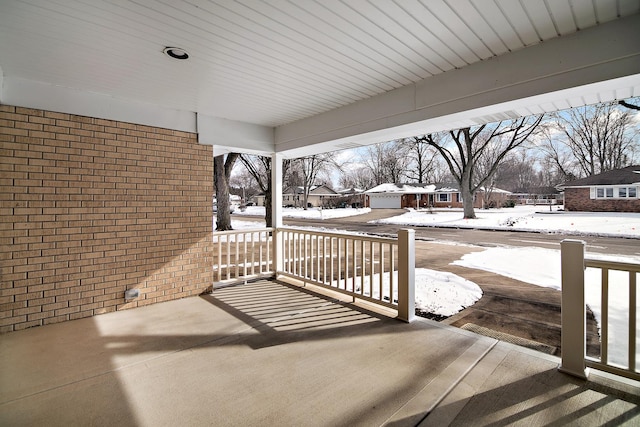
x=176 y=53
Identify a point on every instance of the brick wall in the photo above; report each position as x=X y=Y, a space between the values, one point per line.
x=579 y=199
x=91 y=208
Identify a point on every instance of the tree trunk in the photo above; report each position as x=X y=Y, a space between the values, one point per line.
x=467 y=194
x=268 y=214
x=221 y=172
x=223 y=215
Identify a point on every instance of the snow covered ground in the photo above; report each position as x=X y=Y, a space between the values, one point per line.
x=311 y=213
x=527 y=218
x=542 y=267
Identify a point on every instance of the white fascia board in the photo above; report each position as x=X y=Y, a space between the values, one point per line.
x=44 y=96
x=531 y=76
x=233 y=136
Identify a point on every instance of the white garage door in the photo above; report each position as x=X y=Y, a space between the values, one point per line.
x=384 y=201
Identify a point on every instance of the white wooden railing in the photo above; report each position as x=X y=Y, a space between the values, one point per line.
x=574 y=358
x=378 y=270
x=242 y=255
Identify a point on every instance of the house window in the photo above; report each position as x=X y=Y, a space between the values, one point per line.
x=444 y=197
x=604 y=192
x=616 y=192
x=627 y=192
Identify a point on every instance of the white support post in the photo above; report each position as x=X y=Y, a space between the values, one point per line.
x=573 y=309
x=276 y=211
x=406 y=275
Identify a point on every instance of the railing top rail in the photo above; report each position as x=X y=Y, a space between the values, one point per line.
x=243 y=231
x=367 y=238
x=611 y=265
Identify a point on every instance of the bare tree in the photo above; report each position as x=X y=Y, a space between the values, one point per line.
x=222 y=166
x=462 y=149
x=598 y=137
x=357 y=177
x=242 y=179
x=423 y=161
x=259 y=167
x=387 y=161
x=310 y=168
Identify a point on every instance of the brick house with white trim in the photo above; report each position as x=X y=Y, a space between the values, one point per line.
x=613 y=191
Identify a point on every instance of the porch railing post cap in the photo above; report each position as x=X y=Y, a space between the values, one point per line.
x=572 y=242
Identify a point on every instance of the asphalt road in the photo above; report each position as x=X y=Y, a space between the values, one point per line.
x=487 y=238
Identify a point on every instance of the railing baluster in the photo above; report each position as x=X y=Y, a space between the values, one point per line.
x=354 y=264
x=391 y=270
x=219 y=258
x=632 y=320
x=338 y=241
x=253 y=251
x=299 y=240
x=604 y=322
x=228 y=244
x=244 y=255
x=237 y=257
x=371 y=269
x=307 y=243
x=381 y=268
x=346 y=264
x=318 y=259
x=362 y=266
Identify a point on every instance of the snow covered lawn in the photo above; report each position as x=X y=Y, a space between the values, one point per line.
x=437 y=292
x=311 y=213
x=527 y=218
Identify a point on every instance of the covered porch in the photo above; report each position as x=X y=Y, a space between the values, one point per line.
x=110 y=115
x=273 y=353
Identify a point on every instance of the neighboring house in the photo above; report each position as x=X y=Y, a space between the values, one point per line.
x=614 y=191
x=396 y=196
x=353 y=197
x=319 y=195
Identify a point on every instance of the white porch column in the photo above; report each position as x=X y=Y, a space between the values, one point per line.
x=276 y=209
x=573 y=309
x=406 y=275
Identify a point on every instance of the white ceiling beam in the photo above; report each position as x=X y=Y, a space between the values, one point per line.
x=31 y=94
x=234 y=136
x=602 y=53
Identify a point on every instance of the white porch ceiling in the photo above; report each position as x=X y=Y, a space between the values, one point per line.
x=277 y=63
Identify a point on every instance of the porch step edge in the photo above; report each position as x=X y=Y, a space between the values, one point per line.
x=426 y=400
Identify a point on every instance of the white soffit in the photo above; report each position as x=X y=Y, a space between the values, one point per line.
x=278 y=63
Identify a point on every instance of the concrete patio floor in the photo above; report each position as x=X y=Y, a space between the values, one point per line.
x=269 y=353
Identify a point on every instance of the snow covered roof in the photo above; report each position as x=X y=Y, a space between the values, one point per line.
x=321 y=189
x=403 y=188
x=421 y=189
x=352 y=190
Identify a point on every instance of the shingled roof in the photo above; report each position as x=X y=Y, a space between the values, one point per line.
x=628 y=175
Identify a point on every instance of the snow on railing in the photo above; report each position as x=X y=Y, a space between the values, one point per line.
x=375 y=269
x=612 y=274
x=242 y=254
